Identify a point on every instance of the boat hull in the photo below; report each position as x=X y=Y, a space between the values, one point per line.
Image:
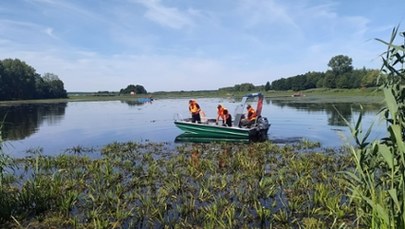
x=211 y=130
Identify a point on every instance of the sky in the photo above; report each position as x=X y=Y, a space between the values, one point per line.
x=173 y=45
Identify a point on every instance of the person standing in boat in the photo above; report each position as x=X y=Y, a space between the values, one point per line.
x=227 y=118
x=220 y=114
x=194 y=109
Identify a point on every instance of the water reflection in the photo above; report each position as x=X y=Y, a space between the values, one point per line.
x=56 y=127
x=137 y=102
x=185 y=137
x=21 y=121
x=334 y=111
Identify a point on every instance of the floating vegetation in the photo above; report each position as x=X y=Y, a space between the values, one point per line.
x=149 y=185
x=80 y=150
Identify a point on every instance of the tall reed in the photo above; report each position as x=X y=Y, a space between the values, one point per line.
x=7 y=195
x=2 y=160
x=377 y=183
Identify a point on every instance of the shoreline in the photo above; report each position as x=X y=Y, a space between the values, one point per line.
x=367 y=95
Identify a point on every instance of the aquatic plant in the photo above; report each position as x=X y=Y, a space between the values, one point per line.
x=195 y=185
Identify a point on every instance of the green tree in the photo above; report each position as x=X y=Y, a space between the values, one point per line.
x=3 y=82
x=330 y=80
x=17 y=80
x=344 y=81
x=267 y=87
x=320 y=82
x=137 y=89
x=340 y=64
x=54 y=87
x=20 y=81
x=244 y=87
x=336 y=77
x=247 y=87
x=281 y=84
x=369 y=79
x=312 y=79
x=298 y=82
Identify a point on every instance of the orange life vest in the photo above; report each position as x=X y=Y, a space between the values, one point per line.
x=221 y=113
x=194 y=108
x=251 y=114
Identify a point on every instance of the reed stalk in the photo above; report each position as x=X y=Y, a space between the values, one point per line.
x=377 y=183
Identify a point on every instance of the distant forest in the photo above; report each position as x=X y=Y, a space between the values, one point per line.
x=20 y=81
x=340 y=75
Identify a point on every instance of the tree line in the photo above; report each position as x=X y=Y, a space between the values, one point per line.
x=340 y=75
x=18 y=80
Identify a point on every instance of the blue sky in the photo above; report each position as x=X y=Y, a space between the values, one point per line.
x=169 y=45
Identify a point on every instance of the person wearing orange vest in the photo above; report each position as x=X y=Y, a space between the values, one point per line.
x=251 y=116
x=220 y=114
x=194 y=109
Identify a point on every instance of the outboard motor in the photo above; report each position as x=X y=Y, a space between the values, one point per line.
x=260 y=130
x=263 y=123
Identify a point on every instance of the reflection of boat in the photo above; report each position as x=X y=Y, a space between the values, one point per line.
x=208 y=128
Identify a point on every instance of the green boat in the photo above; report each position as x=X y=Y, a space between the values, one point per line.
x=209 y=129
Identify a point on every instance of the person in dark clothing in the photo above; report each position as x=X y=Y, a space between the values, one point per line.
x=227 y=117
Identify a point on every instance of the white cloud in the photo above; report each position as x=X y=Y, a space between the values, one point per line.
x=262 y=12
x=166 y=16
x=196 y=45
x=50 y=33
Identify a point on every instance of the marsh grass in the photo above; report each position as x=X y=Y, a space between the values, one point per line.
x=7 y=197
x=218 y=185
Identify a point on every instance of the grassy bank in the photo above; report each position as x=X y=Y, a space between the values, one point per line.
x=364 y=96
x=367 y=95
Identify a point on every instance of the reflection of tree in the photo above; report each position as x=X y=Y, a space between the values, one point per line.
x=137 y=102
x=332 y=109
x=23 y=120
x=335 y=112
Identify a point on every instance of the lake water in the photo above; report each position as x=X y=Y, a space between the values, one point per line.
x=56 y=127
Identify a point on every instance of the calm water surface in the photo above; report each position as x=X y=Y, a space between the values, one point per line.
x=56 y=127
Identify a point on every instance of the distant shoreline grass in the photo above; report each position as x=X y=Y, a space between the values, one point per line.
x=368 y=95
